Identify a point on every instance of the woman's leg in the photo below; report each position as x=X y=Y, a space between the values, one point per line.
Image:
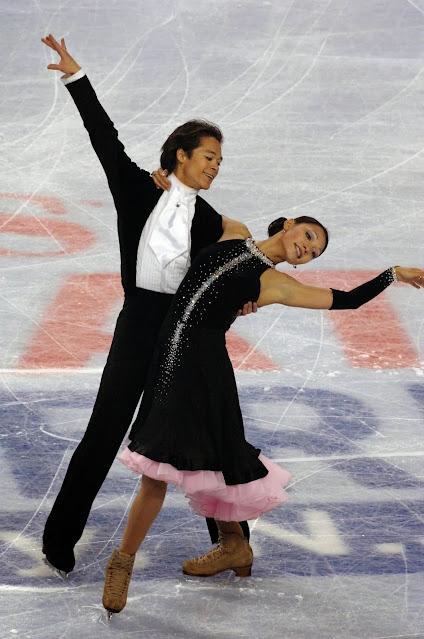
x=228 y=527
x=144 y=510
x=213 y=529
x=232 y=553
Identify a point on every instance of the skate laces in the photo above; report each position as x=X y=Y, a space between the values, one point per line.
x=118 y=575
x=215 y=553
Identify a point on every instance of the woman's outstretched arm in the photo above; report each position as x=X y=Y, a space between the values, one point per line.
x=279 y=288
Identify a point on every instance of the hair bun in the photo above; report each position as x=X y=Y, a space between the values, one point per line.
x=276 y=226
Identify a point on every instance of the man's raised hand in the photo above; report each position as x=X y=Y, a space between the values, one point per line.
x=66 y=63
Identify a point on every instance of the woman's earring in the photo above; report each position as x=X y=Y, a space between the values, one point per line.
x=294 y=265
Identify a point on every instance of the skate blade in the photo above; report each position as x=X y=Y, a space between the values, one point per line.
x=109 y=616
x=56 y=571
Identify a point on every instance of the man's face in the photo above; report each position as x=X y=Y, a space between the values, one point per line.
x=199 y=170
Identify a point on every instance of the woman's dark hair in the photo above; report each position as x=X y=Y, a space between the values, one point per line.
x=277 y=225
x=187 y=137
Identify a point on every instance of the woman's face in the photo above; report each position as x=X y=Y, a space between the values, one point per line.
x=302 y=242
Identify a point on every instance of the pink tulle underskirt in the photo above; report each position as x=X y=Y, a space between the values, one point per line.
x=208 y=493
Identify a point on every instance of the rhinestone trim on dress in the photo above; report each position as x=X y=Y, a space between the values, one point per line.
x=175 y=340
x=250 y=244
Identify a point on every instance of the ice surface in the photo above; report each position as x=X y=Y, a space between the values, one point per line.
x=320 y=102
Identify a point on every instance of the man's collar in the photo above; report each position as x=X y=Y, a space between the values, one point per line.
x=176 y=183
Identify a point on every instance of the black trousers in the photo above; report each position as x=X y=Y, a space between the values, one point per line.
x=121 y=387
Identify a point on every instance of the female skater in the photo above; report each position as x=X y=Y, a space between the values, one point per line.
x=189 y=430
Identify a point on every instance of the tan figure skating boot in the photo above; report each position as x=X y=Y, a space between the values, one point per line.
x=232 y=553
x=117 y=580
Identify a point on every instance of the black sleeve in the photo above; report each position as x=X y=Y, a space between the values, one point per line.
x=212 y=220
x=206 y=227
x=124 y=177
x=362 y=294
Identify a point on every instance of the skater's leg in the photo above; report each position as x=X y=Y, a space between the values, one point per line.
x=144 y=510
x=120 y=390
x=229 y=527
x=232 y=553
x=213 y=530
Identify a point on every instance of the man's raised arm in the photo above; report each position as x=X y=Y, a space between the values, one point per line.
x=123 y=175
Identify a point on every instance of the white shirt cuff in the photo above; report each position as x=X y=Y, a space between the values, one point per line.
x=68 y=78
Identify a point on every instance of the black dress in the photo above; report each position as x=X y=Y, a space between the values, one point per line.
x=189 y=429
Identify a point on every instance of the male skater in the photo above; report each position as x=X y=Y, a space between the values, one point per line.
x=159 y=233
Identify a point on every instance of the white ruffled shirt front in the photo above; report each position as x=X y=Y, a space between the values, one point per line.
x=163 y=257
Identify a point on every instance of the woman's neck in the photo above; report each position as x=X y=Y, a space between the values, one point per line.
x=272 y=248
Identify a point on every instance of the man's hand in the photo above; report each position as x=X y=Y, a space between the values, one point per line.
x=160 y=179
x=249 y=307
x=412 y=276
x=66 y=63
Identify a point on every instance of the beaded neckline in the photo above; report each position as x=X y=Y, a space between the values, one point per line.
x=250 y=244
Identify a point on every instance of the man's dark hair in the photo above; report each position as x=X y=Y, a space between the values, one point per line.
x=187 y=137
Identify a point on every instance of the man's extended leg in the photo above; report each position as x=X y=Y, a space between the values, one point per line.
x=120 y=389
